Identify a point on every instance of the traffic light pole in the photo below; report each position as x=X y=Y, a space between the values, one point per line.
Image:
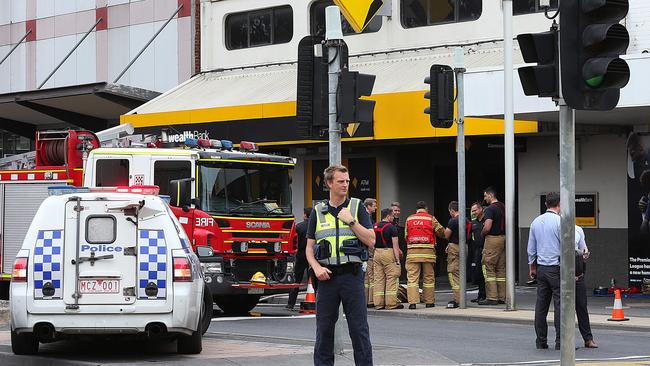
x=460 y=123
x=334 y=38
x=509 y=145
x=567 y=235
x=334 y=69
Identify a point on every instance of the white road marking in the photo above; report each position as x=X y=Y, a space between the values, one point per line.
x=227 y=319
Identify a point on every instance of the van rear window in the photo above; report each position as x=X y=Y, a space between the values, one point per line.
x=100 y=229
x=112 y=173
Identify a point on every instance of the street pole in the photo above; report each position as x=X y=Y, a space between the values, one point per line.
x=567 y=235
x=460 y=123
x=333 y=40
x=509 y=147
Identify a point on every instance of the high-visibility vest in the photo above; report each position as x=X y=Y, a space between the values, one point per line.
x=419 y=228
x=326 y=230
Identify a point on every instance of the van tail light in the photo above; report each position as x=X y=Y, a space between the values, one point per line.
x=182 y=270
x=19 y=273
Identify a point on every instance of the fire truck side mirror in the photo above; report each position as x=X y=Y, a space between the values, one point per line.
x=180 y=192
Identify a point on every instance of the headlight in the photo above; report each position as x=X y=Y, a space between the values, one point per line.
x=212 y=267
x=277 y=246
x=289 y=266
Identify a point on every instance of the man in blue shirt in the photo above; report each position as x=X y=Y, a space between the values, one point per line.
x=544 y=264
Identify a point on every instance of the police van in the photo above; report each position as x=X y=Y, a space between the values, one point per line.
x=113 y=262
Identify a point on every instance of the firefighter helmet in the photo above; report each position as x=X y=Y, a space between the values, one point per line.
x=258 y=278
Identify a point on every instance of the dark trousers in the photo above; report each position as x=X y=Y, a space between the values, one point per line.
x=299 y=270
x=348 y=289
x=548 y=287
x=582 y=311
x=477 y=273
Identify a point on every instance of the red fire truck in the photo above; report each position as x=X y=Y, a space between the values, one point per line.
x=235 y=204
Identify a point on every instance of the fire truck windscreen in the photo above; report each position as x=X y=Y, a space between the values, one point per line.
x=244 y=188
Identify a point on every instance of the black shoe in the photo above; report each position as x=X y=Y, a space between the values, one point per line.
x=289 y=307
x=376 y=308
x=542 y=345
x=430 y=305
x=399 y=306
x=501 y=302
x=370 y=306
x=452 y=305
x=412 y=306
x=488 y=302
x=557 y=346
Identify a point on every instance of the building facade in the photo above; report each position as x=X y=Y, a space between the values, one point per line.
x=248 y=90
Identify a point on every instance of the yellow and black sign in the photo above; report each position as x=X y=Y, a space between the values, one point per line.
x=586 y=208
x=359 y=13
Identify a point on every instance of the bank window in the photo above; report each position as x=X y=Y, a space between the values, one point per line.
x=259 y=27
x=112 y=173
x=530 y=6
x=166 y=170
x=317 y=21
x=420 y=13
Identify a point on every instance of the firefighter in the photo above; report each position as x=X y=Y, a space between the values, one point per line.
x=387 y=267
x=494 y=249
x=371 y=206
x=339 y=231
x=421 y=231
x=453 y=260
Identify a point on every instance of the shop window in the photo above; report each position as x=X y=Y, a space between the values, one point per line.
x=420 y=13
x=259 y=27
x=317 y=17
x=520 y=7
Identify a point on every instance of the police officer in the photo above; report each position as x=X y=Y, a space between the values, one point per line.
x=339 y=230
x=421 y=254
x=477 y=250
x=452 y=234
x=494 y=249
x=387 y=267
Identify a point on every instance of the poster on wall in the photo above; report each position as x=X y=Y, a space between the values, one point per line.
x=586 y=208
x=363 y=178
x=638 y=191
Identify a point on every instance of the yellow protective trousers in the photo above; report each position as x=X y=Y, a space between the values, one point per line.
x=421 y=261
x=494 y=267
x=387 y=272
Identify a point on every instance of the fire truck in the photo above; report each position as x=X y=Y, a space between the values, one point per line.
x=236 y=204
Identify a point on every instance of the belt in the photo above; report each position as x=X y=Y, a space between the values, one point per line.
x=550 y=266
x=383 y=247
x=345 y=268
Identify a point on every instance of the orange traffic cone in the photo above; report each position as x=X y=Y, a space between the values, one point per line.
x=617 y=312
x=309 y=305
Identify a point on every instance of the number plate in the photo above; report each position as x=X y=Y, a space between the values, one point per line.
x=99 y=286
x=256 y=291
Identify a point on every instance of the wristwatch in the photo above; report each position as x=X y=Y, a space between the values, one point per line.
x=351 y=223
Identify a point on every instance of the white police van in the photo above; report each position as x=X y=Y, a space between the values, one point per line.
x=107 y=263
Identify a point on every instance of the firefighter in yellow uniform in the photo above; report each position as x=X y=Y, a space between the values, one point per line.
x=368 y=281
x=387 y=266
x=421 y=231
x=494 y=249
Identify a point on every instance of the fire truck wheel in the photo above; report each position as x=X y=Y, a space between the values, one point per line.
x=190 y=344
x=24 y=344
x=237 y=304
x=206 y=311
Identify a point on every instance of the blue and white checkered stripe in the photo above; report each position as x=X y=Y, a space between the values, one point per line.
x=152 y=263
x=48 y=262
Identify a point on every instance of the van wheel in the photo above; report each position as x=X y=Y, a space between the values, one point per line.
x=190 y=345
x=206 y=311
x=24 y=343
x=237 y=304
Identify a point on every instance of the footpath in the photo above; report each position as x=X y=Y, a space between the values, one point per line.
x=600 y=309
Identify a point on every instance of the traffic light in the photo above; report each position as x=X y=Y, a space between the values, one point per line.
x=311 y=92
x=440 y=95
x=352 y=86
x=540 y=48
x=591 y=39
